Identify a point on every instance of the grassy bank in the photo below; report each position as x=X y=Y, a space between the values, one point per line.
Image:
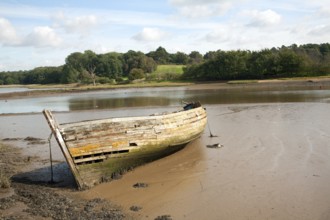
x=166 y=73
x=176 y=69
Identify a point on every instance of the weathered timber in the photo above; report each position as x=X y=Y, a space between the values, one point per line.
x=55 y=129
x=98 y=149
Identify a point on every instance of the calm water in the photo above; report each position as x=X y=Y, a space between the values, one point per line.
x=13 y=89
x=144 y=97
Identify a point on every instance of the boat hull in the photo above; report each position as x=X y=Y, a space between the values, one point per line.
x=99 y=150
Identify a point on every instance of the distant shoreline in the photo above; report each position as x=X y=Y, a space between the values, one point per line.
x=51 y=90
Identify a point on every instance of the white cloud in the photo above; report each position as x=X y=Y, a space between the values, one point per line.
x=201 y=8
x=194 y=2
x=263 y=18
x=150 y=35
x=219 y=35
x=320 y=30
x=325 y=12
x=80 y=24
x=8 y=34
x=42 y=37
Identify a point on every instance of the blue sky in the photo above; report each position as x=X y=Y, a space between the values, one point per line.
x=43 y=33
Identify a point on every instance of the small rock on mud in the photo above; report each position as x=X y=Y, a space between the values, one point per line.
x=140 y=185
x=135 y=208
x=164 y=217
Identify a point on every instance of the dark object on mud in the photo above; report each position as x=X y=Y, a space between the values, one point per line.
x=32 y=139
x=164 y=217
x=11 y=139
x=98 y=149
x=37 y=142
x=135 y=208
x=140 y=185
x=214 y=146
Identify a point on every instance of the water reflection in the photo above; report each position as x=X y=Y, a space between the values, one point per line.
x=85 y=104
x=147 y=97
x=243 y=96
x=170 y=98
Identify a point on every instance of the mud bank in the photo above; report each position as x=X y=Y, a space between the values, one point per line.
x=273 y=164
x=22 y=197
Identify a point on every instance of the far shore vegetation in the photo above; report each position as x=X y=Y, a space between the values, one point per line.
x=160 y=68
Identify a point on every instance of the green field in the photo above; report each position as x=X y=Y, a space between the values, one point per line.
x=166 y=73
x=177 y=69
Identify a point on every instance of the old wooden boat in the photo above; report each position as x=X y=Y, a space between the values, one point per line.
x=96 y=150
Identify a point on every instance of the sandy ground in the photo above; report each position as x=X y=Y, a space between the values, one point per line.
x=274 y=164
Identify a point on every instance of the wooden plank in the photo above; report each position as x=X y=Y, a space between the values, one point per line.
x=102 y=151
x=113 y=133
x=55 y=129
x=88 y=159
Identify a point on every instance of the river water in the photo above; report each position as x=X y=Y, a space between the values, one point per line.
x=150 y=97
x=274 y=163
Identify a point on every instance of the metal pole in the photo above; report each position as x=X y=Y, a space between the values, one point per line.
x=211 y=135
x=51 y=159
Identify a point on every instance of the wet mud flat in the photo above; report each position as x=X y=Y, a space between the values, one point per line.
x=273 y=163
x=23 y=198
x=29 y=193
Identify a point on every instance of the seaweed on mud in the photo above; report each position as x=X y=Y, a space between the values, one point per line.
x=140 y=185
x=135 y=208
x=164 y=217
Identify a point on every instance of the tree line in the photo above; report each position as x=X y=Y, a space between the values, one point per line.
x=292 y=61
x=89 y=67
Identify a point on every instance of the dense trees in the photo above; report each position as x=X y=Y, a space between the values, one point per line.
x=40 y=75
x=161 y=56
x=292 y=61
x=180 y=58
x=138 y=60
x=89 y=67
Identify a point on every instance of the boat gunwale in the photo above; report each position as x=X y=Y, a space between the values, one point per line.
x=128 y=118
